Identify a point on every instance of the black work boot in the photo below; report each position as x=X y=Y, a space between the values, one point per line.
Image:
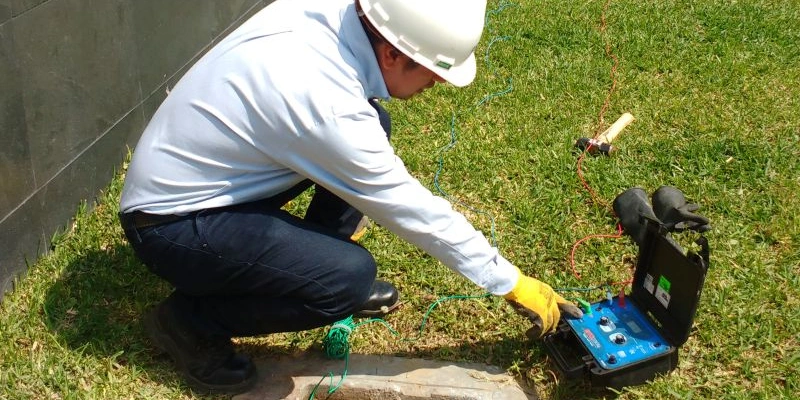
x=383 y=299
x=208 y=364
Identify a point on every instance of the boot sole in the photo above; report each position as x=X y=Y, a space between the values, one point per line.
x=165 y=344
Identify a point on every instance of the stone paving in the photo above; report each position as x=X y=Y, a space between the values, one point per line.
x=373 y=377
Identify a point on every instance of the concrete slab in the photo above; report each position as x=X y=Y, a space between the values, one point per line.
x=372 y=377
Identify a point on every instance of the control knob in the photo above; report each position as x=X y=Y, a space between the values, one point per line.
x=619 y=338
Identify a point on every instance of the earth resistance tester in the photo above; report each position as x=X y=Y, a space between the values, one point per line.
x=628 y=340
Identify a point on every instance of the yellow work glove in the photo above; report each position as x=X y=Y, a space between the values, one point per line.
x=538 y=302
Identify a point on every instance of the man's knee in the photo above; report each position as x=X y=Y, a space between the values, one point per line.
x=356 y=272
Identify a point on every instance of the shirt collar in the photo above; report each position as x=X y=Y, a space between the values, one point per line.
x=353 y=36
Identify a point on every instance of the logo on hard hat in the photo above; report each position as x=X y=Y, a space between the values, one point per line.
x=442 y=64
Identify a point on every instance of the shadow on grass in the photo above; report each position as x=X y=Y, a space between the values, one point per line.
x=96 y=306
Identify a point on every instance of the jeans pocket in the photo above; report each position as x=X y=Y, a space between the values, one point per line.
x=146 y=247
x=202 y=221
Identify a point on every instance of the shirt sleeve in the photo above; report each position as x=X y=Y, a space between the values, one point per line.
x=349 y=155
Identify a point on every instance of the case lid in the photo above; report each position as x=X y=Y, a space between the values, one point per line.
x=668 y=281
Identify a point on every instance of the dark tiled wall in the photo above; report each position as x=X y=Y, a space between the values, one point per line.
x=78 y=81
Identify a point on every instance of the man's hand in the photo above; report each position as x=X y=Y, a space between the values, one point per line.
x=538 y=302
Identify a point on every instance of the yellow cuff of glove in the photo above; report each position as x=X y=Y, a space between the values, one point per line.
x=537 y=300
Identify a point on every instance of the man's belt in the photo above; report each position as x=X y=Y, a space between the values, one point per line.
x=139 y=219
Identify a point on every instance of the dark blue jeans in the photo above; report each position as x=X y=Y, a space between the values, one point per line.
x=252 y=269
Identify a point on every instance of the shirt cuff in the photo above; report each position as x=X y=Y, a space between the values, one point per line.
x=502 y=276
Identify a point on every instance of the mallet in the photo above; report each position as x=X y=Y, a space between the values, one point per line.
x=602 y=143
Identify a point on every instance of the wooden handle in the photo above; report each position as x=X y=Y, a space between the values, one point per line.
x=615 y=128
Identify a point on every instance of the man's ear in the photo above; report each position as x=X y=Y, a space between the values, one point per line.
x=388 y=56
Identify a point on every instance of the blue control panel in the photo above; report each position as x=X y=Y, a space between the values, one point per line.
x=617 y=334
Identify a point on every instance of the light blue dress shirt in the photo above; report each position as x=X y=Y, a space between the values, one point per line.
x=283 y=98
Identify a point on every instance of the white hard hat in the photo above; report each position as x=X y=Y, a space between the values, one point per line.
x=441 y=35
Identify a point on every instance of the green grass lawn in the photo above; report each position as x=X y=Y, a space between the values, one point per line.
x=715 y=89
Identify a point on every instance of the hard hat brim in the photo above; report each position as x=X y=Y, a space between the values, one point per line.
x=459 y=75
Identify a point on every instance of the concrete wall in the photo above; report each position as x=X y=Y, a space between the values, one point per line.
x=79 y=79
